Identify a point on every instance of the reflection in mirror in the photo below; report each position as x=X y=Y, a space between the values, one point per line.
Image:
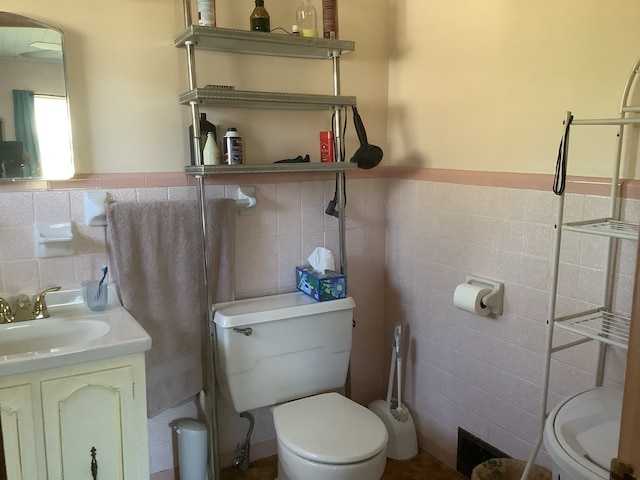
x=35 y=129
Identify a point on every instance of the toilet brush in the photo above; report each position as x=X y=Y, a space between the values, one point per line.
x=403 y=442
x=397 y=409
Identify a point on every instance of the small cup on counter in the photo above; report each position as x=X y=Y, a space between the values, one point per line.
x=96 y=295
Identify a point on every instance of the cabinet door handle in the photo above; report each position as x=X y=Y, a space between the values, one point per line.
x=94 y=464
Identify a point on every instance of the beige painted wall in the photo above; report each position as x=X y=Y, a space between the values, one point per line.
x=125 y=77
x=484 y=85
x=471 y=85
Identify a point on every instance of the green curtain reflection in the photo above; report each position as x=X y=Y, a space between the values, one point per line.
x=24 y=114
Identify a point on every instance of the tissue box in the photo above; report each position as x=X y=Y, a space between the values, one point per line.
x=321 y=286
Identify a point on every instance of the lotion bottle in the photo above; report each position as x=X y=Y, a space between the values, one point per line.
x=211 y=155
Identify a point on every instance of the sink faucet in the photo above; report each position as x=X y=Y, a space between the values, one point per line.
x=6 y=316
x=40 y=308
x=23 y=310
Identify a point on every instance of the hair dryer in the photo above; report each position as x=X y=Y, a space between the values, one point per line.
x=367 y=156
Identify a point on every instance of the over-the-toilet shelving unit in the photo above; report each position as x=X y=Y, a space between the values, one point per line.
x=602 y=324
x=196 y=37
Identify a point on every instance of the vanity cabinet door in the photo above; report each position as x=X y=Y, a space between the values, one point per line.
x=18 y=434
x=86 y=411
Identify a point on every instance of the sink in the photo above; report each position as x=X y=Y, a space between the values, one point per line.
x=35 y=336
x=72 y=334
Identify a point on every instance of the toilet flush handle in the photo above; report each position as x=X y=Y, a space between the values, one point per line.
x=245 y=331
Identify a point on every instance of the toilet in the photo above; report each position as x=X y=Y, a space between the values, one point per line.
x=581 y=434
x=290 y=352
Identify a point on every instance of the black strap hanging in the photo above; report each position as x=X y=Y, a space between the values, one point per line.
x=560 y=179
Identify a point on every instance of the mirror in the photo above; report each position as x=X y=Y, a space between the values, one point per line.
x=35 y=128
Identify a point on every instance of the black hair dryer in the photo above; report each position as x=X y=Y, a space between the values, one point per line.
x=367 y=156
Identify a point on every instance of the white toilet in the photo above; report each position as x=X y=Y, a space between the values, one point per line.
x=272 y=350
x=581 y=434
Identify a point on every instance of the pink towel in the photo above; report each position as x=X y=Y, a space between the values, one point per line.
x=155 y=259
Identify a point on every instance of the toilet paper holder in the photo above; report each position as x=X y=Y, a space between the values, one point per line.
x=493 y=300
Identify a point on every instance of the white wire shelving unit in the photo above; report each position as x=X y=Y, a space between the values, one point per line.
x=601 y=324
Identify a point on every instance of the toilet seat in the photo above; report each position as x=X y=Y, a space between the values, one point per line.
x=581 y=433
x=330 y=428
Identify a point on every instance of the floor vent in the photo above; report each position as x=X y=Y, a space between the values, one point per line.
x=472 y=451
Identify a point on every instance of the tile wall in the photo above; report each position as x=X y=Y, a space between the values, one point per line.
x=288 y=223
x=484 y=374
x=409 y=244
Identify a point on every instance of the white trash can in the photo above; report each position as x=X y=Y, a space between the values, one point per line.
x=192 y=449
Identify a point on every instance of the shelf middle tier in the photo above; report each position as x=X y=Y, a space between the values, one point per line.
x=250 y=99
x=607 y=227
x=598 y=324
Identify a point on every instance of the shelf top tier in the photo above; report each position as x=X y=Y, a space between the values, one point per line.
x=262 y=43
x=271 y=168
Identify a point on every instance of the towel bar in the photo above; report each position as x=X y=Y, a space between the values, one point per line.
x=246 y=197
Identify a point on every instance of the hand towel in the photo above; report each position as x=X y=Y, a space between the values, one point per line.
x=155 y=255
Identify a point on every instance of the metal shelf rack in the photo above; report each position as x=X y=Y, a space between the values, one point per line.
x=601 y=324
x=233 y=41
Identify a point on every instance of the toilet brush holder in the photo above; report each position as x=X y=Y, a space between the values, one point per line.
x=403 y=441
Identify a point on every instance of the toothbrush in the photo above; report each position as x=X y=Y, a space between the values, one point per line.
x=105 y=269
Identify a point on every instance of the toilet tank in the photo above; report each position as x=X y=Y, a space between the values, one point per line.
x=281 y=347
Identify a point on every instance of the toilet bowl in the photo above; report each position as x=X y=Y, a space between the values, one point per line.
x=286 y=352
x=329 y=436
x=581 y=434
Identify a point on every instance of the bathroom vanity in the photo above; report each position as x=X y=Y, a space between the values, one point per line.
x=76 y=410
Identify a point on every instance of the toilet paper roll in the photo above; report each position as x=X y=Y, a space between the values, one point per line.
x=469 y=297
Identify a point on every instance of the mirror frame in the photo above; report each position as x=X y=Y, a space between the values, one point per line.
x=8 y=19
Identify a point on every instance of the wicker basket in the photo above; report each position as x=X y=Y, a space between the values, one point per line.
x=508 y=469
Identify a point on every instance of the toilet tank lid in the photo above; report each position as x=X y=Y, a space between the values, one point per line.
x=274 y=307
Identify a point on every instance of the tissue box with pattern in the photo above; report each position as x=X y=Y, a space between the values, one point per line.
x=321 y=286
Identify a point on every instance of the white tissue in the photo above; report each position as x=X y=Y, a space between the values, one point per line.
x=321 y=259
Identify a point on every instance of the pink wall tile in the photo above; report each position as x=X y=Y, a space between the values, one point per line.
x=413 y=234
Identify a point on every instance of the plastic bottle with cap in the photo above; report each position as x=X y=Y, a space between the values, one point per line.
x=205 y=127
x=211 y=154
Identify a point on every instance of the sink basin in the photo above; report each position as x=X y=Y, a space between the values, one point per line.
x=72 y=334
x=48 y=334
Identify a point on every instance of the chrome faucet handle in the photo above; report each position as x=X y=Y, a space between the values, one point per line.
x=6 y=315
x=40 y=308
